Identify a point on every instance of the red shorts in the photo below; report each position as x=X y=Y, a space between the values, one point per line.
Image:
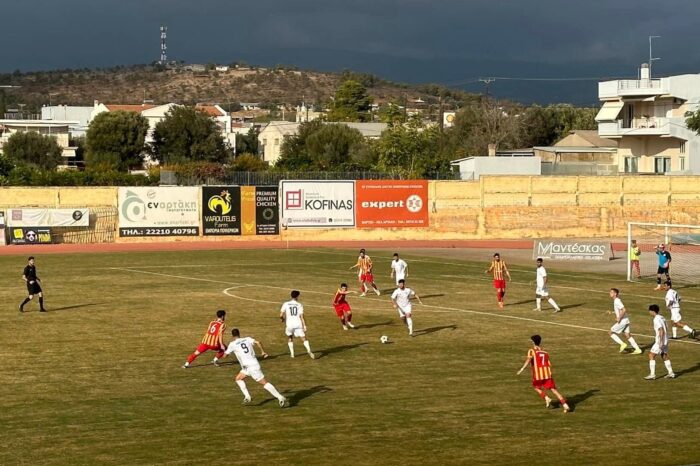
x=341 y=308
x=499 y=284
x=546 y=384
x=203 y=348
x=367 y=277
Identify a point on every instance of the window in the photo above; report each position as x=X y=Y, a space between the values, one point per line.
x=277 y=141
x=662 y=164
x=631 y=165
x=682 y=147
x=681 y=163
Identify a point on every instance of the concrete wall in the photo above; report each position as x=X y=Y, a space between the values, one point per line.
x=509 y=207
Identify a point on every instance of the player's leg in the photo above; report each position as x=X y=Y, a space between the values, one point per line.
x=347 y=315
x=538 y=301
x=41 y=302
x=409 y=323
x=26 y=300
x=307 y=345
x=633 y=342
x=562 y=400
x=273 y=391
x=240 y=381
x=543 y=395
x=200 y=349
x=667 y=363
x=652 y=364
x=374 y=286
x=290 y=343
x=553 y=303
x=616 y=338
x=659 y=272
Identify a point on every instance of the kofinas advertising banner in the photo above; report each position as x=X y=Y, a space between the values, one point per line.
x=318 y=204
x=48 y=218
x=158 y=211
x=221 y=210
x=392 y=204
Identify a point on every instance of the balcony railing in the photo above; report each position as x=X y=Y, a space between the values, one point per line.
x=626 y=84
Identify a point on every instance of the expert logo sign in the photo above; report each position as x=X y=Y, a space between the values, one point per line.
x=392 y=204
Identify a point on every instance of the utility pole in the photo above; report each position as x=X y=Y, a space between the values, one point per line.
x=488 y=82
x=651 y=55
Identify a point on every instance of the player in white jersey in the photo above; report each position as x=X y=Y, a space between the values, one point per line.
x=292 y=314
x=401 y=297
x=244 y=349
x=622 y=324
x=542 y=291
x=399 y=269
x=673 y=304
x=660 y=347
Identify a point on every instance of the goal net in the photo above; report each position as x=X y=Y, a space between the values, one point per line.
x=682 y=241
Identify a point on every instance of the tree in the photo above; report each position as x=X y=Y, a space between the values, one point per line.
x=115 y=140
x=412 y=151
x=187 y=134
x=693 y=121
x=392 y=113
x=544 y=126
x=248 y=163
x=33 y=149
x=247 y=142
x=351 y=103
x=325 y=147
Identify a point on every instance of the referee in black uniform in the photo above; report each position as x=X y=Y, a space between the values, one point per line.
x=33 y=285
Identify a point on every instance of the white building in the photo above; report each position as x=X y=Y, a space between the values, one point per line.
x=647 y=118
x=69 y=113
x=56 y=129
x=471 y=168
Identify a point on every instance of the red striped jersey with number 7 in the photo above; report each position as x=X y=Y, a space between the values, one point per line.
x=539 y=361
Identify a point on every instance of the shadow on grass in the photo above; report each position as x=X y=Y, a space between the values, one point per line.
x=376 y=324
x=293 y=398
x=432 y=295
x=338 y=349
x=689 y=370
x=76 y=306
x=571 y=306
x=579 y=398
x=426 y=331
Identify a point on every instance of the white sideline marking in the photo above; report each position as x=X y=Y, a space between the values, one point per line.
x=434 y=308
x=184 y=266
x=444 y=309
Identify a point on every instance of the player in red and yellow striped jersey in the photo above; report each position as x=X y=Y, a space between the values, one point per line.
x=213 y=340
x=542 y=380
x=364 y=273
x=500 y=272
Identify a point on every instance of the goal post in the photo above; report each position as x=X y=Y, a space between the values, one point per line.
x=682 y=241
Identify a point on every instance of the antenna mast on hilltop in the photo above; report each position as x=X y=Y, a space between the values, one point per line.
x=163 y=45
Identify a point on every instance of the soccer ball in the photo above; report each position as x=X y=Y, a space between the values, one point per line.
x=384 y=339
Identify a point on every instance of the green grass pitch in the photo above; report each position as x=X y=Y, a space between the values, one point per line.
x=97 y=380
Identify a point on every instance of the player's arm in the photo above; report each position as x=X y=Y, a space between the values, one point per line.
x=303 y=322
x=262 y=350
x=661 y=334
x=393 y=301
x=623 y=313
x=356 y=265
x=489 y=269
x=282 y=314
x=392 y=271
x=415 y=295
x=505 y=269
x=405 y=271
x=24 y=277
x=528 y=361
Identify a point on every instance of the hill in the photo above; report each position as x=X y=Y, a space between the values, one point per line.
x=238 y=84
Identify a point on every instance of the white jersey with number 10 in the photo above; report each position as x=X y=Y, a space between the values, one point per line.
x=293 y=311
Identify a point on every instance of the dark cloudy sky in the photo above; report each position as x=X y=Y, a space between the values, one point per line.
x=448 y=41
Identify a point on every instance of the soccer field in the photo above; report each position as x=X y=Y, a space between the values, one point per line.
x=97 y=379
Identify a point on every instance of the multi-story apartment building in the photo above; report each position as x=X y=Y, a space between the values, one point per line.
x=647 y=118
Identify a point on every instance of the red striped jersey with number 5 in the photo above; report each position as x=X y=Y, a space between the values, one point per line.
x=539 y=361
x=214 y=334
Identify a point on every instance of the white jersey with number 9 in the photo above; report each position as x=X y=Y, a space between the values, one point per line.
x=244 y=350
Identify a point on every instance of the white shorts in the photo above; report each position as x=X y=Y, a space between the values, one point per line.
x=658 y=349
x=405 y=311
x=399 y=277
x=254 y=372
x=295 y=332
x=544 y=291
x=622 y=327
x=676 y=315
